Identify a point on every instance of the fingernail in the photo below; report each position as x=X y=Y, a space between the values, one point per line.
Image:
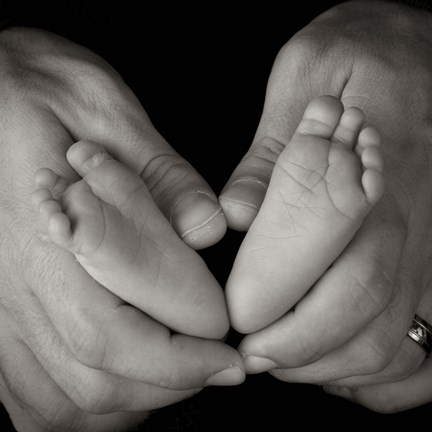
x=255 y=364
x=195 y=214
x=228 y=377
x=242 y=201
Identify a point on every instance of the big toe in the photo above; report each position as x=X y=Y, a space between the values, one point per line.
x=83 y=156
x=321 y=117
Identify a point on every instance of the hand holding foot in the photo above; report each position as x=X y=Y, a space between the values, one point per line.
x=109 y=221
x=324 y=183
x=350 y=329
x=55 y=317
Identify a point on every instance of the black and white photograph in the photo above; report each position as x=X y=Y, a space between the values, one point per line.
x=215 y=217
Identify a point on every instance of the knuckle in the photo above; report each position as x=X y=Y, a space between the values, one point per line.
x=73 y=69
x=310 y=50
x=299 y=51
x=94 y=70
x=87 y=74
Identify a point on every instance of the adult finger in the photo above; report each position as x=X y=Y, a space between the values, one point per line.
x=104 y=334
x=334 y=332
x=357 y=289
x=394 y=396
x=66 y=292
x=91 y=390
x=208 y=319
x=306 y=334
x=93 y=103
x=183 y=196
x=379 y=353
x=163 y=270
x=35 y=402
x=288 y=93
x=408 y=359
x=372 y=299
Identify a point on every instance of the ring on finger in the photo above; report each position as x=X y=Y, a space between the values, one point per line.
x=421 y=332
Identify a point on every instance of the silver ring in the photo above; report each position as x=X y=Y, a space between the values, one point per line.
x=421 y=332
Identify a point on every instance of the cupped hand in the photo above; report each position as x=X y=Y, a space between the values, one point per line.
x=70 y=350
x=350 y=328
x=400 y=395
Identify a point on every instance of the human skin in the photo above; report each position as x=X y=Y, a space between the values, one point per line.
x=406 y=210
x=395 y=396
x=73 y=356
x=350 y=329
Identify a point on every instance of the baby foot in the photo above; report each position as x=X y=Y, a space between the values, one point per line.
x=109 y=221
x=323 y=185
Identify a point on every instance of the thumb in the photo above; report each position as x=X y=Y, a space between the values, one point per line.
x=294 y=81
x=245 y=190
x=113 y=117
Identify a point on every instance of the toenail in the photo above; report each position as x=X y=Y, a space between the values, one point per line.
x=194 y=212
x=94 y=161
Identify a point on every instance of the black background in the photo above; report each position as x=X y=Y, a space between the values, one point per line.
x=201 y=73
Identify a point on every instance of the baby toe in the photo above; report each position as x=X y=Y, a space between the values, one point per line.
x=372 y=158
x=83 y=156
x=368 y=137
x=349 y=126
x=49 y=180
x=321 y=117
x=48 y=208
x=59 y=229
x=39 y=196
x=46 y=178
x=373 y=185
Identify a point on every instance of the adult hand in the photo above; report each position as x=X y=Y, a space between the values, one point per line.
x=69 y=349
x=351 y=328
x=392 y=397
